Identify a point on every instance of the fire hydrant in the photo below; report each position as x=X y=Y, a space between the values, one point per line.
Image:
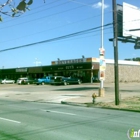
x=94 y=98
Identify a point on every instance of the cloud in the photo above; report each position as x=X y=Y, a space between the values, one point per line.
x=99 y=5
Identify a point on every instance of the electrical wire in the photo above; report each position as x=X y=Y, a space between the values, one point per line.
x=52 y=28
x=44 y=16
x=57 y=38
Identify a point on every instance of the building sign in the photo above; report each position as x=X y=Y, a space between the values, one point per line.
x=21 y=70
x=70 y=61
x=35 y=70
x=69 y=67
x=59 y=62
x=89 y=60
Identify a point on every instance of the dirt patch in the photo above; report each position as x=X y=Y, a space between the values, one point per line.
x=131 y=103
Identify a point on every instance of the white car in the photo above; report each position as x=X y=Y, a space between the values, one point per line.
x=7 y=81
x=22 y=80
x=25 y=80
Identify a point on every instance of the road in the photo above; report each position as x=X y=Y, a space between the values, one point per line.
x=21 y=120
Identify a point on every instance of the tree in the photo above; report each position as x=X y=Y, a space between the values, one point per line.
x=9 y=8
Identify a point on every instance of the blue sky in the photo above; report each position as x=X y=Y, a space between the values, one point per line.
x=56 y=18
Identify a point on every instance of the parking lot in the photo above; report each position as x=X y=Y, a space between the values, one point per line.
x=46 y=93
x=73 y=93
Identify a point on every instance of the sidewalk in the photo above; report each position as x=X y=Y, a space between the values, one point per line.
x=81 y=94
x=129 y=98
x=126 y=90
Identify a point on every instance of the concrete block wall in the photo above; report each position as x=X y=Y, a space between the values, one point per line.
x=127 y=73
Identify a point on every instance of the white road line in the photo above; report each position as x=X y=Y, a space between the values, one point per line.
x=9 y=120
x=58 y=112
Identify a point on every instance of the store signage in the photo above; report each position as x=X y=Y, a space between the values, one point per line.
x=70 y=61
x=21 y=70
x=70 y=67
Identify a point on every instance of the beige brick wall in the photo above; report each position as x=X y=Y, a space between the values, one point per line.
x=127 y=73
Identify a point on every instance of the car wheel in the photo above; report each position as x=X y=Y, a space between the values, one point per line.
x=79 y=82
x=42 y=83
x=65 y=83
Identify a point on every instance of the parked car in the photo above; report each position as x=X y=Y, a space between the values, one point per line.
x=57 y=80
x=25 y=80
x=44 y=80
x=7 y=81
x=65 y=80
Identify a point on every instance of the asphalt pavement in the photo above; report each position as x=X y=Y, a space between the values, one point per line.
x=35 y=112
x=21 y=120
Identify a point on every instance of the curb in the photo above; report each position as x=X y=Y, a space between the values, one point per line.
x=86 y=105
x=120 y=109
x=74 y=104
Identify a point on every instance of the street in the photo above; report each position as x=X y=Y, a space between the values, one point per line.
x=20 y=120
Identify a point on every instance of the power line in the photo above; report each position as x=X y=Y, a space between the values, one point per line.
x=52 y=28
x=42 y=10
x=81 y=3
x=44 y=16
x=57 y=38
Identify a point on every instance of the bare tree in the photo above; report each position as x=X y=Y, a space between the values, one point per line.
x=10 y=8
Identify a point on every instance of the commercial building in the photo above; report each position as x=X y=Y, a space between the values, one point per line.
x=84 y=68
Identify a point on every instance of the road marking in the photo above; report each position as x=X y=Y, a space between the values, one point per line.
x=59 y=112
x=9 y=120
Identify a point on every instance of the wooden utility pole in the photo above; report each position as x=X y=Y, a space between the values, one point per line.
x=115 y=44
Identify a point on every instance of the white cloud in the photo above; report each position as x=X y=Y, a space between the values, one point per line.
x=99 y=5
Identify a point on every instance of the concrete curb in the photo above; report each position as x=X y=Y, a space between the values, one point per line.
x=74 y=104
x=86 y=105
x=120 y=109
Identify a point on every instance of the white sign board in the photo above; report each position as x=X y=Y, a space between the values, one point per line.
x=131 y=20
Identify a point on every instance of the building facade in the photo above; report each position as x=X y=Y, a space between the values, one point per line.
x=83 y=68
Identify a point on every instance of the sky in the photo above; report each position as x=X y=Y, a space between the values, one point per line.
x=58 y=23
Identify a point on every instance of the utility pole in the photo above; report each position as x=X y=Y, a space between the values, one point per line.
x=115 y=44
x=102 y=65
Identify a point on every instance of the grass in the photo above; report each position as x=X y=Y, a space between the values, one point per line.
x=131 y=103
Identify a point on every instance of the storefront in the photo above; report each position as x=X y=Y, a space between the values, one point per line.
x=83 y=68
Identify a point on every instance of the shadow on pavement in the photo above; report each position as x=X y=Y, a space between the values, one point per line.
x=77 y=89
x=130 y=91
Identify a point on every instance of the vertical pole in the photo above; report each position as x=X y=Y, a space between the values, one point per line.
x=102 y=37
x=101 y=57
x=115 y=44
x=102 y=30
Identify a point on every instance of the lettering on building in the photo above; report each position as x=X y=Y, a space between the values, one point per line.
x=70 y=61
x=21 y=70
x=69 y=67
